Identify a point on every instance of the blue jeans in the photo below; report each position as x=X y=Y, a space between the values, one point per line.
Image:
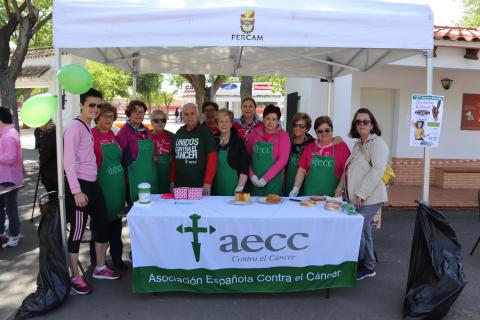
x=8 y=205
x=366 y=256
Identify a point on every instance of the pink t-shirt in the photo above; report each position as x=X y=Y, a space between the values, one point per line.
x=341 y=154
x=78 y=154
x=162 y=142
x=281 y=149
x=100 y=138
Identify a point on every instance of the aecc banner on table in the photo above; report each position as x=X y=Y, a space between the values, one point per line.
x=221 y=254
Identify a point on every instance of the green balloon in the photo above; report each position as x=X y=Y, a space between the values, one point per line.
x=37 y=110
x=74 y=79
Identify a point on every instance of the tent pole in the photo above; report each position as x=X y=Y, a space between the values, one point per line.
x=134 y=85
x=426 y=150
x=134 y=76
x=212 y=88
x=329 y=88
x=59 y=143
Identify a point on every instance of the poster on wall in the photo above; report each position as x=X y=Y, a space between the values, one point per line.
x=426 y=120
x=470 y=112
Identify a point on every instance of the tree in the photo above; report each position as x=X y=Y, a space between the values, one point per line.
x=148 y=86
x=199 y=84
x=471 y=13
x=19 y=24
x=278 y=83
x=110 y=81
x=246 y=87
x=167 y=95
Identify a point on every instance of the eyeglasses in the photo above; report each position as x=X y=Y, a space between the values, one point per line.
x=108 y=116
x=365 y=122
x=161 y=120
x=299 y=126
x=321 y=131
x=139 y=112
x=93 y=105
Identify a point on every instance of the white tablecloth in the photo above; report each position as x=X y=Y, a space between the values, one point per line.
x=210 y=245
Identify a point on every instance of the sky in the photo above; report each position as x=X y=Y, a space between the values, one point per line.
x=445 y=12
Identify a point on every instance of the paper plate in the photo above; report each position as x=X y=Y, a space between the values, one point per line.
x=264 y=200
x=239 y=203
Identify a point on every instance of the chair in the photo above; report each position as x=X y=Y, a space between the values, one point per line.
x=478 y=240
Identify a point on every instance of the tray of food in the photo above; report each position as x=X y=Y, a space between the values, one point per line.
x=241 y=198
x=308 y=203
x=270 y=199
x=333 y=205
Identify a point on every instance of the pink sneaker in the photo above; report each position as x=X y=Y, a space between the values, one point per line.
x=106 y=273
x=79 y=286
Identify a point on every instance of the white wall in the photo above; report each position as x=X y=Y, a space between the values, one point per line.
x=313 y=96
x=454 y=143
x=449 y=58
x=342 y=107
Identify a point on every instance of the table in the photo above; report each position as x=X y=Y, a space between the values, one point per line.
x=210 y=245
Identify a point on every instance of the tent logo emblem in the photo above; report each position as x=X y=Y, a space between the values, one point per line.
x=247 y=21
x=195 y=230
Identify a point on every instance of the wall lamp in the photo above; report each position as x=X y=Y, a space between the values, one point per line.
x=446 y=83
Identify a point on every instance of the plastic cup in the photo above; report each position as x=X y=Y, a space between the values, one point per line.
x=144 y=193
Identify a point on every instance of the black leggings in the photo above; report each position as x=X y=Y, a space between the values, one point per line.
x=114 y=240
x=77 y=217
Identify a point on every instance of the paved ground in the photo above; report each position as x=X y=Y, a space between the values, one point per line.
x=377 y=298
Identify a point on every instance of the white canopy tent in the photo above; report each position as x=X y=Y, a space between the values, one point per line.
x=303 y=38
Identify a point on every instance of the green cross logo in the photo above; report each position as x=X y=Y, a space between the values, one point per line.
x=195 y=230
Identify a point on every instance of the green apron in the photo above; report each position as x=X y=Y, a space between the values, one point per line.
x=291 y=173
x=321 y=179
x=262 y=160
x=143 y=169
x=226 y=177
x=111 y=179
x=163 y=171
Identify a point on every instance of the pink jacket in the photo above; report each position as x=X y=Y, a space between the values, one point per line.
x=11 y=163
x=281 y=149
x=78 y=154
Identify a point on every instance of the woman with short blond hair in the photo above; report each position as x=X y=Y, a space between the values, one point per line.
x=232 y=160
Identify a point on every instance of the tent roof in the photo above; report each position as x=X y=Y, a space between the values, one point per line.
x=299 y=38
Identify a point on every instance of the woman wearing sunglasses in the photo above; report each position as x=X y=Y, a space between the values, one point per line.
x=269 y=147
x=322 y=162
x=162 y=142
x=300 y=138
x=363 y=182
x=137 y=147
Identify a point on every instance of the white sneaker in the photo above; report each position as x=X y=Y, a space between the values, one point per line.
x=13 y=241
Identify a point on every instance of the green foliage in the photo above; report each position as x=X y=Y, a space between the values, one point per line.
x=278 y=83
x=177 y=81
x=471 y=17
x=148 y=86
x=44 y=36
x=110 y=81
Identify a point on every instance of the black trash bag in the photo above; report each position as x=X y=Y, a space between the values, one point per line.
x=435 y=278
x=53 y=281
